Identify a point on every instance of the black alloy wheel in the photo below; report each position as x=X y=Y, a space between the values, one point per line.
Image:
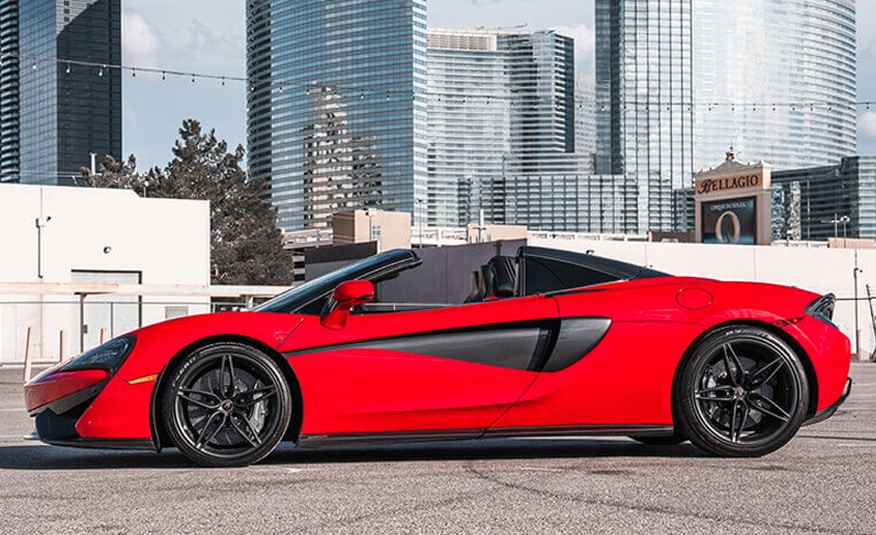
x=742 y=393
x=226 y=404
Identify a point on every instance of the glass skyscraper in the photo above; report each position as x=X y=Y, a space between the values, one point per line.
x=54 y=114
x=818 y=203
x=501 y=117
x=680 y=81
x=644 y=92
x=469 y=126
x=337 y=106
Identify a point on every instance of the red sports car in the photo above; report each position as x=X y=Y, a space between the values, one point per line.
x=547 y=343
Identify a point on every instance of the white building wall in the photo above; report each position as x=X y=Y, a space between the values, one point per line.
x=166 y=240
x=820 y=270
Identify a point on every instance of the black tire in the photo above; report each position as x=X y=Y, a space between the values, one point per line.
x=669 y=440
x=742 y=393
x=226 y=404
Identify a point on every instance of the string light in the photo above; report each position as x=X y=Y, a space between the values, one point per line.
x=489 y=99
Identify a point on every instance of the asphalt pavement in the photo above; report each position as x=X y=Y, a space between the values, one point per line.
x=823 y=481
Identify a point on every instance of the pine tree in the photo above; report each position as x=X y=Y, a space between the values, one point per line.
x=245 y=243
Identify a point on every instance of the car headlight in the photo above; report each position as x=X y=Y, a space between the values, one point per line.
x=108 y=356
x=822 y=309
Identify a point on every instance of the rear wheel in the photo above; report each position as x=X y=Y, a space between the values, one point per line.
x=226 y=404
x=742 y=393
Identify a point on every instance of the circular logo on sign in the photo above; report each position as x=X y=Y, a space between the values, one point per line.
x=727 y=228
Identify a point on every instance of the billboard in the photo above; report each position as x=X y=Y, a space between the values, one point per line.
x=729 y=221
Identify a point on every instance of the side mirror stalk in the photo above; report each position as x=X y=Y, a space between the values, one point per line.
x=347 y=295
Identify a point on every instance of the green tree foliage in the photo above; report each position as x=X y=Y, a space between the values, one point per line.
x=246 y=245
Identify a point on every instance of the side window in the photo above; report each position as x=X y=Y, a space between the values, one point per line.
x=315 y=308
x=545 y=275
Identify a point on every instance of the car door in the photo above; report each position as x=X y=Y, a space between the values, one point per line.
x=445 y=371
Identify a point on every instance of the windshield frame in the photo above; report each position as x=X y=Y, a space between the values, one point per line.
x=372 y=268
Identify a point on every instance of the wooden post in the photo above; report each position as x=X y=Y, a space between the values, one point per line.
x=62 y=346
x=102 y=335
x=27 y=356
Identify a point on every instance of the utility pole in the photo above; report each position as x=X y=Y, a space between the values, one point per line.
x=855 y=272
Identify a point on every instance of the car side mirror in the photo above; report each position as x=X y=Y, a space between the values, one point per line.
x=347 y=295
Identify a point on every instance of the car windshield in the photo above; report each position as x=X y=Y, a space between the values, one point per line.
x=312 y=293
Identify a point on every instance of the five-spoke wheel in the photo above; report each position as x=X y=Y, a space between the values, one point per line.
x=743 y=392
x=226 y=404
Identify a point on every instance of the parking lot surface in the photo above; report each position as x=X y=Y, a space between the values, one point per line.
x=823 y=481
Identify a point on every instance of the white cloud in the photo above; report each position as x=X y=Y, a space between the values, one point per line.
x=216 y=50
x=871 y=51
x=585 y=42
x=867 y=126
x=139 y=44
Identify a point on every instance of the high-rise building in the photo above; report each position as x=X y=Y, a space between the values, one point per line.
x=644 y=91
x=679 y=81
x=54 y=113
x=501 y=117
x=469 y=126
x=585 y=118
x=817 y=203
x=337 y=106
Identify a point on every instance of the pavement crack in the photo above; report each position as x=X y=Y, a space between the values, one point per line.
x=624 y=506
x=385 y=514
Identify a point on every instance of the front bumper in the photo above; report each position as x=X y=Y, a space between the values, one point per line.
x=64 y=405
x=827 y=412
x=60 y=430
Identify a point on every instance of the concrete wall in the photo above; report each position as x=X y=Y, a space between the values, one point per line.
x=165 y=241
x=820 y=270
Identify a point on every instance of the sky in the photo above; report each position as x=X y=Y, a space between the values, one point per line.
x=208 y=37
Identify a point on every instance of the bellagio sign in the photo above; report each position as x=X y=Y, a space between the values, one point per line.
x=710 y=185
x=733 y=203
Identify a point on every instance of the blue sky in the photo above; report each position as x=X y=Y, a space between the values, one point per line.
x=207 y=36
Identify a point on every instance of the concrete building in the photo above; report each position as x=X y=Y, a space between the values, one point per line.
x=53 y=113
x=62 y=247
x=337 y=110
x=774 y=79
x=389 y=230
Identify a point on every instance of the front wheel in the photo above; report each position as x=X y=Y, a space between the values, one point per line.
x=742 y=393
x=226 y=404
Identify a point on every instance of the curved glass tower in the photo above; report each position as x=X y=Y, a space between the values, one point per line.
x=337 y=106
x=776 y=79
x=681 y=81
